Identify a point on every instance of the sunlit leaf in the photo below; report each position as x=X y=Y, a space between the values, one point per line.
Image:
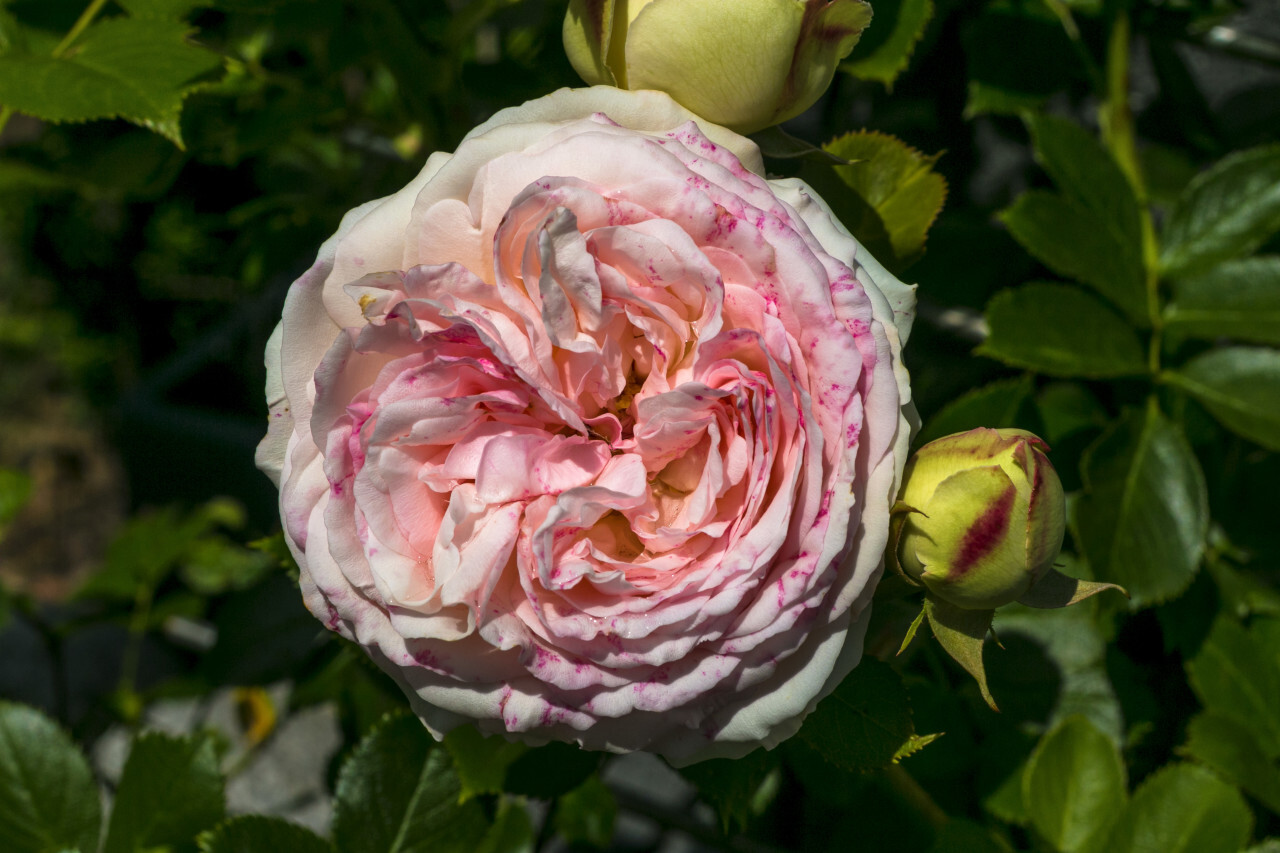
x=1077 y=242
x=1226 y=212
x=1236 y=675
x=1074 y=784
x=1143 y=517
x=1182 y=808
x=171 y=791
x=1234 y=299
x=138 y=69
x=1232 y=749
x=897 y=182
x=48 y=799
x=1061 y=331
x=883 y=58
x=1240 y=386
x=398 y=793
x=261 y=834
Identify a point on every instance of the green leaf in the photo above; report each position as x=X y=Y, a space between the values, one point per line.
x=587 y=813
x=1086 y=173
x=884 y=60
x=260 y=834
x=1234 y=299
x=48 y=799
x=1080 y=243
x=914 y=744
x=481 y=762
x=170 y=792
x=1004 y=403
x=1236 y=674
x=1144 y=515
x=1240 y=386
x=138 y=69
x=739 y=789
x=1182 y=808
x=1226 y=212
x=864 y=722
x=1061 y=331
x=897 y=182
x=398 y=793
x=1074 y=784
x=1232 y=749
x=511 y=832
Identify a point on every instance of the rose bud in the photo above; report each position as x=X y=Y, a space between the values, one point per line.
x=746 y=65
x=980 y=518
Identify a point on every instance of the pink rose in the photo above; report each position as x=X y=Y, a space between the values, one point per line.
x=591 y=432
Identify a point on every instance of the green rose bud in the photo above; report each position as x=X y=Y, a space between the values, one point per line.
x=745 y=64
x=981 y=517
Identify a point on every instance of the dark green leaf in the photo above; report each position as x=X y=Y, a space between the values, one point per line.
x=1236 y=674
x=885 y=59
x=897 y=181
x=1226 y=212
x=1182 y=808
x=48 y=799
x=511 y=832
x=170 y=792
x=962 y=836
x=1067 y=408
x=1086 y=172
x=398 y=793
x=1234 y=299
x=1061 y=331
x=481 y=762
x=551 y=770
x=138 y=69
x=1016 y=57
x=1074 y=784
x=1143 y=517
x=1004 y=403
x=259 y=834
x=1081 y=243
x=1232 y=749
x=166 y=9
x=1075 y=648
x=739 y=789
x=1240 y=386
x=864 y=722
x=587 y=813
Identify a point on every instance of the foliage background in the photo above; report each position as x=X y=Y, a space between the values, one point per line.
x=1081 y=282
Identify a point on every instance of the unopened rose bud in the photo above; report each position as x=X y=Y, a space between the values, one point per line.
x=744 y=64
x=980 y=518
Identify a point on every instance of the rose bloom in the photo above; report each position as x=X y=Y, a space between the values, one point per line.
x=591 y=432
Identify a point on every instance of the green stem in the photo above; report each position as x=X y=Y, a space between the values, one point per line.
x=909 y=790
x=1116 y=120
x=82 y=23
